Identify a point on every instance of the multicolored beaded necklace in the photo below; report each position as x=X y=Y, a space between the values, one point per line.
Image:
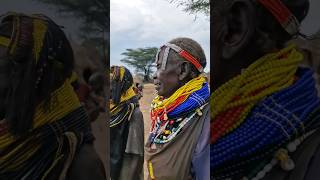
x=232 y=102
x=170 y=115
x=165 y=133
x=267 y=129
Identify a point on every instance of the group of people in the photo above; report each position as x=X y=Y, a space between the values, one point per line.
x=46 y=111
x=265 y=106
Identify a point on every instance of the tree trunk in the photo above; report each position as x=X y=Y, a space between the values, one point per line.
x=146 y=76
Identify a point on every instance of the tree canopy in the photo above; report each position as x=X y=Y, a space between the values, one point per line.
x=141 y=59
x=95 y=16
x=194 y=6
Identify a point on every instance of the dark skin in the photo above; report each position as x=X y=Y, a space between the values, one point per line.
x=175 y=75
x=237 y=41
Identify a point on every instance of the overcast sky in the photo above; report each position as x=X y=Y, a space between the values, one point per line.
x=144 y=23
x=151 y=23
x=147 y=23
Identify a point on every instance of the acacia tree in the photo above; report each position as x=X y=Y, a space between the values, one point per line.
x=141 y=59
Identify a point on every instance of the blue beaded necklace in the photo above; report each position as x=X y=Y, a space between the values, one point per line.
x=194 y=101
x=274 y=122
x=180 y=116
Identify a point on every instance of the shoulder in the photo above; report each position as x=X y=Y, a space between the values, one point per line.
x=137 y=114
x=311 y=156
x=136 y=119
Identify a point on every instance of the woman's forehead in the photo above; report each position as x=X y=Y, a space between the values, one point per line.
x=172 y=57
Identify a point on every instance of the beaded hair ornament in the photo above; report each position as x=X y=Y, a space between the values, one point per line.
x=183 y=53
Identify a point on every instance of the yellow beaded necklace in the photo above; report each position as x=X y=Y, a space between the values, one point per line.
x=185 y=90
x=268 y=74
x=160 y=106
x=66 y=101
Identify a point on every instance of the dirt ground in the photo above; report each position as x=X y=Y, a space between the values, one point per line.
x=145 y=102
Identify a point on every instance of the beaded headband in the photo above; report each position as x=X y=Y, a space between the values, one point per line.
x=283 y=15
x=183 y=53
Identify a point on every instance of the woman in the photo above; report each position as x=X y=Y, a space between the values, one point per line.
x=126 y=127
x=264 y=107
x=44 y=130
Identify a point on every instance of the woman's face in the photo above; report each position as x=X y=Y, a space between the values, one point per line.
x=166 y=80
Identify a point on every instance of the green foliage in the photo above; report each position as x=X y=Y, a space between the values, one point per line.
x=194 y=6
x=141 y=59
x=95 y=17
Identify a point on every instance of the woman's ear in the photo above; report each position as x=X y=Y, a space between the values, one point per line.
x=185 y=71
x=238 y=28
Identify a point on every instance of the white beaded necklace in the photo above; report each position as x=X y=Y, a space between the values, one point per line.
x=282 y=157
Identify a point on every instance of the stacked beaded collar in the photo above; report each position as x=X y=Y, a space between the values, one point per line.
x=168 y=115
x=53 y=139
x=231 y=103
x=122 y=112
x=263 y=139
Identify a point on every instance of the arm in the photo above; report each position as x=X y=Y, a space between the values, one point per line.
x=201 y=156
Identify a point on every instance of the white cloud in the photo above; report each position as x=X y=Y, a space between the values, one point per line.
x=138 y=23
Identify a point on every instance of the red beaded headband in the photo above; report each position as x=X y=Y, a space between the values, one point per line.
x=283 y=15
x=183 y=53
